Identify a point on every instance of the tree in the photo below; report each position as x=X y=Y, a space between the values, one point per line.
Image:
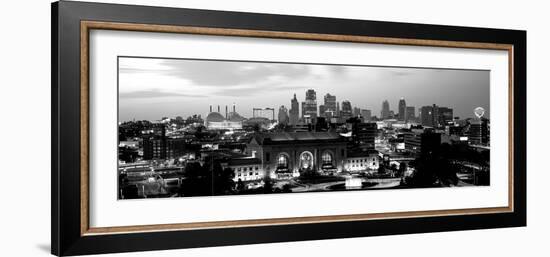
x=194 y=183
x=287 y=189
x=433 y=168
x=268 y=185
x=402 y=169
x=381 y=169
x=223 y=181
x=240 y=185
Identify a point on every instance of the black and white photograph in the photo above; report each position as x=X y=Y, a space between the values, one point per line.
x=196 y=127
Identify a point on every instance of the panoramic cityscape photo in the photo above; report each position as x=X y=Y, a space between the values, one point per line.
x=190 y=127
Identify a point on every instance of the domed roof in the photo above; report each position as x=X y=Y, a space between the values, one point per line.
x=214 y=117
x=233 y=116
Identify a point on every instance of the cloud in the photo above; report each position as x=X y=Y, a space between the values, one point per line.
x=154 y=94
x=214 y=78
x=338 y=69
x=230 y=73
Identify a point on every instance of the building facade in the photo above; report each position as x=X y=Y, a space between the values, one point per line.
x=216 y=121
x=479 y=132
x=246 y=169
x=283 y=115
x=366 y=114
x=410 y=115
x=286 y=155
x=329 y=107
x=294 y=112
x=362 y=161
x=402 y=106
x=385 y=113
x=346 y=111
x=309 y=106
x=363 y=135
x=418 y=141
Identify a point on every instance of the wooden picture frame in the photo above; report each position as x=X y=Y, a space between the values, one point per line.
x=71 y=25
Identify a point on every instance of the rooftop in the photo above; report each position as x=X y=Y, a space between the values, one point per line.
x=244 y=161
x=302 y=137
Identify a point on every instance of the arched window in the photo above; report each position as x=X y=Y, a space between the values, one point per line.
x=306 y=160
x=327 y=158
x=282 y=162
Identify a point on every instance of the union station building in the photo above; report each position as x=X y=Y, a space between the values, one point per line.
x=289 y=154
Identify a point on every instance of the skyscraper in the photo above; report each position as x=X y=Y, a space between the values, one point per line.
x=445 y=115
x=309 y=106
x=410 y=115
x=365 y=114
x=479 y=132
x=329 y=106
x=428 y=116
x=385 y=113
x=283 y=115
x=402 y=109
x=364 y=135
x=435 y=116
x=294 y=112
x=356 y=111
x=346 y=112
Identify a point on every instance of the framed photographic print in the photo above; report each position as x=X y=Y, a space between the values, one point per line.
x=178 y=128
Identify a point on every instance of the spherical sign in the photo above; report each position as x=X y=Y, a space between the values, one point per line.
x=479 y=111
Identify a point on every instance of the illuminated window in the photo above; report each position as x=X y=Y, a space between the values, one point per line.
x=327 y=158
x=282 y=162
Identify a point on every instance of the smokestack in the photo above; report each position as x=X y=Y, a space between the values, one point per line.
x=218 y=108
x=210 y=108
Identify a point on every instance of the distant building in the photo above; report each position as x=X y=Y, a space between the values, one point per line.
x=410 y=115
x=363 y=135
x=329 y=108
x=268 y=113
x=323 y=111
x=428 y=116
x=479 y=132
x=418 y=141
x=294 y=112
x=445 y=115
x=356 y=112
x=309 y=106
x=402 y=109
x=385 y=113
x=216 y=121
x=161 y=147
x=246 y=169
x=362 y=161
x=346 y=112
x=283 y=115
x=366 y=114
x=435 y=116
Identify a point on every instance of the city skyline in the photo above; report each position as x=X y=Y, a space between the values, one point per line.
x=153 y=88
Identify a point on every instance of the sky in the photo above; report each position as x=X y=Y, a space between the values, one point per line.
x=152 y=88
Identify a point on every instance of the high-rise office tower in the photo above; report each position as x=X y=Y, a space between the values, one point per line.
x=385 y=113
x=346 y=112
x=294 y=112
x=309 y=106
x=283 y=115
x=402 y=109
x=410 y=115
x=329 y=106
